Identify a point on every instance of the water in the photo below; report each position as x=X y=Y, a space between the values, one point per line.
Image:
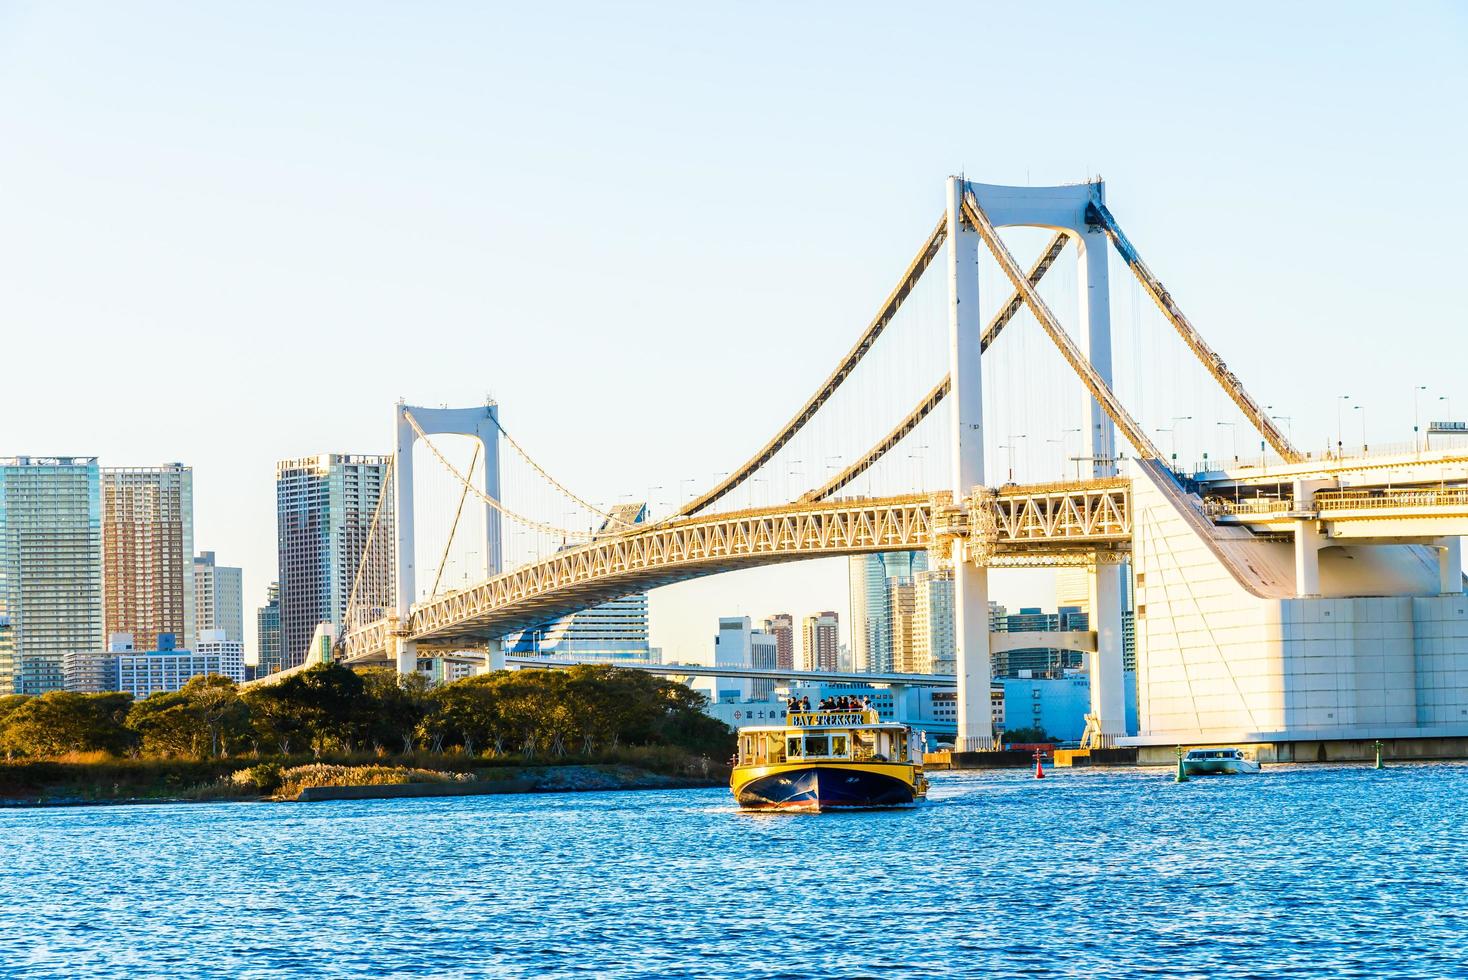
x=1299 y=872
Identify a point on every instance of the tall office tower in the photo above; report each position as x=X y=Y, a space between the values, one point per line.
x=821 y=639
x=50 y=564
x=147 y=552
x=871 y=613
x=934 y=644
x=219 y=598
x=782 y=627
x=324 y=510
x=902 y=604
x=613 y=632
x=267 y=632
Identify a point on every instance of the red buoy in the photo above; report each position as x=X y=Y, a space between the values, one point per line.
x=1039 y=769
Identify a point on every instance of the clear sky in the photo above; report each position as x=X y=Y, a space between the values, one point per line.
x=232 y=234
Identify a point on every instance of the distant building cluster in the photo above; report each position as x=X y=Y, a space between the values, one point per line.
x=88 y=552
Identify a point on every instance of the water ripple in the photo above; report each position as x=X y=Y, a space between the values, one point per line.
x=1300 y=872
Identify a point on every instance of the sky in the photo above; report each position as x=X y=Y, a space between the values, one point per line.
x=232 y=234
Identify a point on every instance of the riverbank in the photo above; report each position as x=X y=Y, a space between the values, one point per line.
x=95 y=781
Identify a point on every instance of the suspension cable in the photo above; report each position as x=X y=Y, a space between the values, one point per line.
x=454 y=528
x=843 y=371
x=552 y=480
x=529 y=522
x=1099 y=389
x=382 y=497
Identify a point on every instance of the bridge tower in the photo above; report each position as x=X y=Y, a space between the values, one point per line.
x=1060 y=208
x=480 y=422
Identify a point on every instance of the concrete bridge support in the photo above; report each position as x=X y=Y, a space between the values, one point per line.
x=970 y=580
x=1450 y=567
x=1108 y=679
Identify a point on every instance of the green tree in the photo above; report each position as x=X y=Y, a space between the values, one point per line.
x=206 y=717
x=9 y=703
x=64 y=721
x=169 y=726
x=274 y=717
x=392 y=707
x=464 y=713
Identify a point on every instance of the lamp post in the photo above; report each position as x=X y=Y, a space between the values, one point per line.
x=1173 y=436
x=1175 y=420
x=1358 y=408
x=1233 y=428
x=1340 y=400
x=1010 y=447
x=1416 y=423
x=1066 y=436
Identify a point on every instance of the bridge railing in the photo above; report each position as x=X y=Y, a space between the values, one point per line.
x=1328 y=500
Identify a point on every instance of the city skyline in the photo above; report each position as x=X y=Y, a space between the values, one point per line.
x=320 y=267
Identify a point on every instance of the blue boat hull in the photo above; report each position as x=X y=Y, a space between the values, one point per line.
x=815 y=788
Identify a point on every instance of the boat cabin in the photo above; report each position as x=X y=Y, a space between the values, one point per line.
x=846 y=736
x=1196 y=754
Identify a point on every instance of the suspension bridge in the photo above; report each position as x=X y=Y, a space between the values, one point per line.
x=1278 y=596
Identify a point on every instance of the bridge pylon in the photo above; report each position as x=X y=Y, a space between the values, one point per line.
x=1067 y=209
x=480 y=422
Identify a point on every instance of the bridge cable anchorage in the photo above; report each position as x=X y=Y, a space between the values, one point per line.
x=1078 y=362
x=518 y=518
x=843 y=370
x=553 y=481
x=352 y=609
x=1097 y=213
x=454 y=528
x=940 y=391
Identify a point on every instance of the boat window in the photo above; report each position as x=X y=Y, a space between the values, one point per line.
x=864 y=746
x=817 y=745
x=792 y=746
x=838 y=745
x=776 y=747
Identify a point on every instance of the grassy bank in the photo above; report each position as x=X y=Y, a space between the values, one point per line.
x=100 y=778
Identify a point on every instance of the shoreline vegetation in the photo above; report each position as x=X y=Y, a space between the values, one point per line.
x=336 y=733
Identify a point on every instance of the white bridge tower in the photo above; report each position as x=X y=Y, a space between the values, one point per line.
x=482 y=423
x=1064 y=209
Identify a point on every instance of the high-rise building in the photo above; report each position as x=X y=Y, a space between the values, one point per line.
x=50 y=564
x=782 y=627
x=267 y=632
x=7 y=656
x=324 y=510
x=219 y=597
x=821 y=641
x=147 y=551
x=613 y=632
x=871 y=611
x=934 y=641
x=738 y=645
x=902 y=607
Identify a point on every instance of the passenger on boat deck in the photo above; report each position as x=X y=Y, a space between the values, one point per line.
x=805 y=704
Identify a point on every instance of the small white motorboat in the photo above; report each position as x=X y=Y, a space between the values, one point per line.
x=1217 y=762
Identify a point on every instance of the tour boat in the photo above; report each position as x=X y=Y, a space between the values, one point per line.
x=830 y=759
x=1216 y=762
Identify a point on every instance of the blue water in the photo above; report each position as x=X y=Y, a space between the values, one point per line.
x=1298 y=872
